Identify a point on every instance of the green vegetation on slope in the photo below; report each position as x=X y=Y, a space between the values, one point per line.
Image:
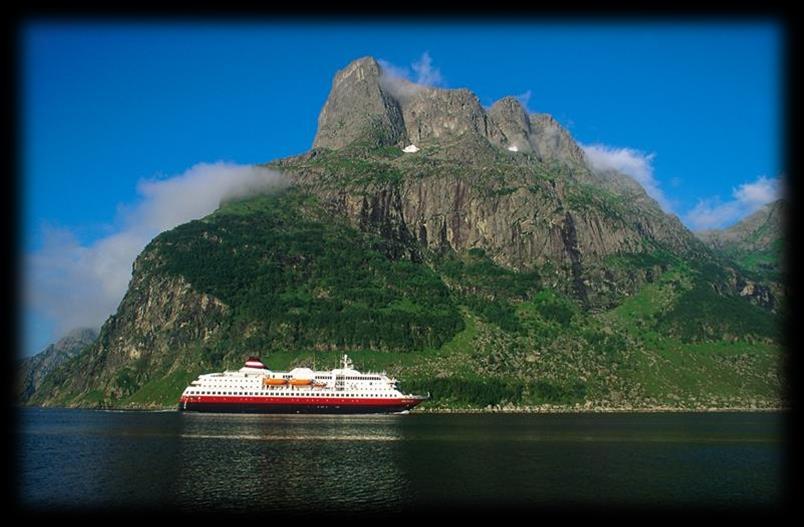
x=299 y=279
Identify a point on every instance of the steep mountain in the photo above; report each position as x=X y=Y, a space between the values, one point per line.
x=488 y=265
x=32 y=370
x=756 y=243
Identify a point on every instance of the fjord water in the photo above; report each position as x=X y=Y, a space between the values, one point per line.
x=86 y=460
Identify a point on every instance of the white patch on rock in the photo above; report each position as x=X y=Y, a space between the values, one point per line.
x=513 y=148
x=410 y=148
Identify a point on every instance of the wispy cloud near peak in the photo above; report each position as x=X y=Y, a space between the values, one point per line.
x=404 y=82
x=634 y=163
x=524 y=99
x=712 y=213
x=79 y=285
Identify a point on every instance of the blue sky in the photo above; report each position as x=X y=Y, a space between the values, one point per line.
x=695 y=107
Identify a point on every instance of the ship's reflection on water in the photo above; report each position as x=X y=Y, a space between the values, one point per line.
x=291 y=462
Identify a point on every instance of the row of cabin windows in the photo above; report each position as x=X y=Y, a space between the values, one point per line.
x=257 y=393
x=275 y=388
x=350 y=378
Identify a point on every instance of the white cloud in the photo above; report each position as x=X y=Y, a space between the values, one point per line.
x=78 y=286
x=634 y=163
x=711 y=213
x=524 y=99
x=758 y=193
x=426 y=74
x=402 y=83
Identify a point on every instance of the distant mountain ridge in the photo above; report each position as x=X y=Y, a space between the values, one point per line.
x=32 y=370
x=756 y=242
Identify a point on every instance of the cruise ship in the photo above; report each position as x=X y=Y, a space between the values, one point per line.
x=255 y=389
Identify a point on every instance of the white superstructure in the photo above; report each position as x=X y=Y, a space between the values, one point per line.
x=254 y=387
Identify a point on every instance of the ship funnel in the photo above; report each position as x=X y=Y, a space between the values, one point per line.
x=254 y=362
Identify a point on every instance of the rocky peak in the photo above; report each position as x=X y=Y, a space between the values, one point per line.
x=552 y=142
x=358 y=70
x=511 y=121
x=358 y=109
x=433 y=114
x=367 y=104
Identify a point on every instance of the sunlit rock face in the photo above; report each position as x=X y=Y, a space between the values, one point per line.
x=358 y=109
x=368 y=106
x=511 y=128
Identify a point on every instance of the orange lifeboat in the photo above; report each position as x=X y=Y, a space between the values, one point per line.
x=274 y=382
x=301 y=382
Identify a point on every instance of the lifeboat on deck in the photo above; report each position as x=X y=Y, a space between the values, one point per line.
x=301 y=376
x=274 y=382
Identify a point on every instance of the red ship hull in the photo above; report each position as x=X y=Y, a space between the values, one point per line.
x=296 y=405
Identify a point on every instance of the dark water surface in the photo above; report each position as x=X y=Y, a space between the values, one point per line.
x=92 y=459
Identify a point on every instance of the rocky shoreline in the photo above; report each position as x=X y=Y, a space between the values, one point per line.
x=544 y=409
x=599 y=410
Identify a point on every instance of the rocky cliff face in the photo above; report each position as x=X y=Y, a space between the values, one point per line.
x=32 y=370
x=514 y=184
x=358 y=109
x=526 y=220
x=160 y=320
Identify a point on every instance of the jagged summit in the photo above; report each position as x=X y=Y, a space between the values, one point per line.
x=512 y=125
x=359 y=109
x=368 y=104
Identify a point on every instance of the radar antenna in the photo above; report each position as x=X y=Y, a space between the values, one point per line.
x=346 y=363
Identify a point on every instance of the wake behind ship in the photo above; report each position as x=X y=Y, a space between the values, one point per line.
x=255 y=389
